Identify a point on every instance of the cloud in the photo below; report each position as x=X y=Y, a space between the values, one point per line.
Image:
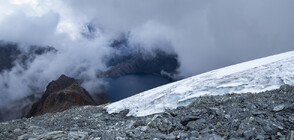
x=29 y=30
x=205 y=34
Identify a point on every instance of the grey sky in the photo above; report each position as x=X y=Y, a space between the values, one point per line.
x=206 y=34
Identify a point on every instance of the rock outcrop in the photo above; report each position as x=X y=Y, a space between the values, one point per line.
x=60 y=95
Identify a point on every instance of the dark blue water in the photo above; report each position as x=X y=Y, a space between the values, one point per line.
x=128 y=85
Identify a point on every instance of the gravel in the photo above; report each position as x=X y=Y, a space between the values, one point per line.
x=266 y=115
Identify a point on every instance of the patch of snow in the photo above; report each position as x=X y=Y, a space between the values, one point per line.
x=229 y=85
x=253 y=76
x=182 y=89
x=192 y=96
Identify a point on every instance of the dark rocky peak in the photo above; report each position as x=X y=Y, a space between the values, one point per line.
x=61 y=95
x=61 y=83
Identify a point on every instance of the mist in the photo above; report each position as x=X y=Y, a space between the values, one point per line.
x=205 y=35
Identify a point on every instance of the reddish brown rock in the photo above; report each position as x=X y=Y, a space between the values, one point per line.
x=60 y=95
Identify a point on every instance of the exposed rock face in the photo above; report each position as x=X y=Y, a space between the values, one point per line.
x=61 y=95
x=231 y=116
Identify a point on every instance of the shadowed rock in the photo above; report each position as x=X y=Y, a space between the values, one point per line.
x=60 y=95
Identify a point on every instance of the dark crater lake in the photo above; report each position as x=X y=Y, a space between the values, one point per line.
x=131 y=84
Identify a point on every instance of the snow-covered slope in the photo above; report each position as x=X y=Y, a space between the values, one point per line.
x=252 y=76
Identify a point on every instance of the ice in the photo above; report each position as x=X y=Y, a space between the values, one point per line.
x=182 y=89
x=230 y=85
x=253 y=76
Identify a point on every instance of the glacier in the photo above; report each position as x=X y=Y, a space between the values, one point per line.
x=254 y=76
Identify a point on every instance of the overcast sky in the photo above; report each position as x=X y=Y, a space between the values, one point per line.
x=206 y=34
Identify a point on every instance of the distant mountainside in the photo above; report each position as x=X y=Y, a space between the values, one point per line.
x=130 y=60
x=162 y=64
x=253 y=76
x=124 y=60
x=8 y=54
x=11 y=52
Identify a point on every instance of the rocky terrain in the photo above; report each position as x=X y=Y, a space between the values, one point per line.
x=266 y=115
x=60 y=95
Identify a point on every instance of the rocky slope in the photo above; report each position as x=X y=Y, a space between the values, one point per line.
x=266 y=115
x=60 y=95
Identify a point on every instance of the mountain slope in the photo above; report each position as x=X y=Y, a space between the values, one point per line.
x=252 y=76
x=266 y=115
